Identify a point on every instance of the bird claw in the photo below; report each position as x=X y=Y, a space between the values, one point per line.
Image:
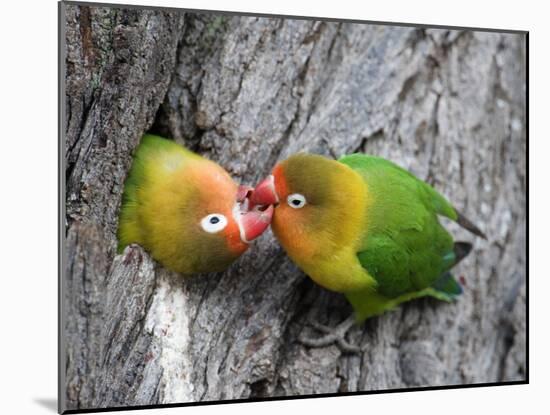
x=332 y=335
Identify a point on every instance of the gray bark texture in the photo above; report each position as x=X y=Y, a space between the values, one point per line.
x=449 y=105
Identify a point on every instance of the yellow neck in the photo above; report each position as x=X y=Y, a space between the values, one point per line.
x=339 y=271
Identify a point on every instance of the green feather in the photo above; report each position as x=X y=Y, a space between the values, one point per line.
x=405 y=248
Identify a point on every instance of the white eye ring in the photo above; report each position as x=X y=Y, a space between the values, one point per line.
x=214 y=222
x=296 y=201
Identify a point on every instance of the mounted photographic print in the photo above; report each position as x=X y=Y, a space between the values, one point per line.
x=258 y=207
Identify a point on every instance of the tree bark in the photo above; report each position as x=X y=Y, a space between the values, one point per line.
x=449 y=105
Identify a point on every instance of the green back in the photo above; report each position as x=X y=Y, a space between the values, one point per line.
x=405 y=248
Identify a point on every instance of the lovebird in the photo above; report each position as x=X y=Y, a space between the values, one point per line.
x=364 y=227
x=185 y=210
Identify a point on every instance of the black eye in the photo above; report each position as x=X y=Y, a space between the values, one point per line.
x=214 y=222
x=296 y=201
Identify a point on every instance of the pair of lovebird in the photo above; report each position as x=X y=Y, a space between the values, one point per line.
x=360 y=225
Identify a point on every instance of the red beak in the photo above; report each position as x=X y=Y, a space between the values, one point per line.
x=254 y=223
x=243 y=192
x=264 y=193
x=252 y=220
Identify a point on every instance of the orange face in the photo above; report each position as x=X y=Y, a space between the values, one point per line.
x=217 y=193
x=295 y=214
x=224 y=209
x=291 y=217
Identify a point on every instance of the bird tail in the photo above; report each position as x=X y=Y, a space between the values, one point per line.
x=461 y=251
x=446 y=286
x=468 y=225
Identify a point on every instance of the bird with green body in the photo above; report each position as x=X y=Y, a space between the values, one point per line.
x=185 y=210
x=364 y=227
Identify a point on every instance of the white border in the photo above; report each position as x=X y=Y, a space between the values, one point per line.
x=28 y=172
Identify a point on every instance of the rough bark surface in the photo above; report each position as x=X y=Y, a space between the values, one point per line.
x=246 y=92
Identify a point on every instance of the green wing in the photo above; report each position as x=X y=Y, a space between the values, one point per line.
x=405 y=248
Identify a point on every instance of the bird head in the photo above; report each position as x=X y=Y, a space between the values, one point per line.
x=225 y=222
x=313 y=196
x=198 y=219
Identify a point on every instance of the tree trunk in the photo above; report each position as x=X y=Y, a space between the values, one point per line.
x=246 y=92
